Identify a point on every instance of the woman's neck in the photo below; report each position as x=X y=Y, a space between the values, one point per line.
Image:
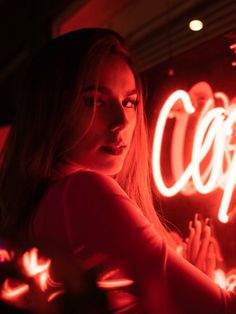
x=66 y=169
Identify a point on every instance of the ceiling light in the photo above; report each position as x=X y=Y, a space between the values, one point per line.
x=195 y=25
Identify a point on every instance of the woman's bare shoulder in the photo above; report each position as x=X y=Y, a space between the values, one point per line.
x=88 y=181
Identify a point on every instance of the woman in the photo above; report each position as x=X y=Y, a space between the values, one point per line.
x=75 y=173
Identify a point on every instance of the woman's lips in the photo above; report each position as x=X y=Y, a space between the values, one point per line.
x=114 y=150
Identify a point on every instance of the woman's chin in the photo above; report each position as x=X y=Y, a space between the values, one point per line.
x=109 y=171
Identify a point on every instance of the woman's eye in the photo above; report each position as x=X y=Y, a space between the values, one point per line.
x=130 y=103
x=91 y=102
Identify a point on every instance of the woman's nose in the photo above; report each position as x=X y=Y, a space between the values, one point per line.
x=119 y=119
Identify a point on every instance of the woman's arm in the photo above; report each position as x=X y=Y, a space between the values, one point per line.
x=101 y=215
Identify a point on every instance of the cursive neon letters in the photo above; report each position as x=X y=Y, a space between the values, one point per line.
x=214 y=132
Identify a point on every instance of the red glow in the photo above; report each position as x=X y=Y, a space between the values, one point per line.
x=226 y=281
x=214 y=131
x=233 y=47
x=55 y=294
x=3 y=135
x=31 y=263
x=92 y=13
x=113 y=279
x=5 y=256
x=33 y=267
x=38 y=270
x=12 y=289
x=53 y=283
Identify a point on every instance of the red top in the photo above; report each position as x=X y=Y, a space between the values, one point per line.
x=91 y=210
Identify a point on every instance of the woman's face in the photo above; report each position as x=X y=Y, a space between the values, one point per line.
x=105 y=145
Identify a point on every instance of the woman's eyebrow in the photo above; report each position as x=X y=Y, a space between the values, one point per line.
x=99 y=88
x=103 y=89
x=132 y=92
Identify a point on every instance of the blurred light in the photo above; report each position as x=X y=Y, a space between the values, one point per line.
x=31 y=263
x=195 y=25
x=13 y=289
x=55 y=294
x=170 y=72
x=225 y=281
x=233 y=47
x=5 y=256
x=113 y=279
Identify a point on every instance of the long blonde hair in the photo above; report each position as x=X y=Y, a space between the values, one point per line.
x=47 y=116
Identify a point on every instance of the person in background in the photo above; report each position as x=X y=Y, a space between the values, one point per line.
x=75 y=176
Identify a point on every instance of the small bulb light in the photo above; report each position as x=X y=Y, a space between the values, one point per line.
x=195 y=25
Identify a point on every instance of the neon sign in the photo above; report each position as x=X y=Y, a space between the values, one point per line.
x=213 y=142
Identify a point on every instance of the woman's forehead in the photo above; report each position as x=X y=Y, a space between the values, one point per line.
x=114 y=72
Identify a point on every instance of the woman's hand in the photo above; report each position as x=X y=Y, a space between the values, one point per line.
x=201 y=248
